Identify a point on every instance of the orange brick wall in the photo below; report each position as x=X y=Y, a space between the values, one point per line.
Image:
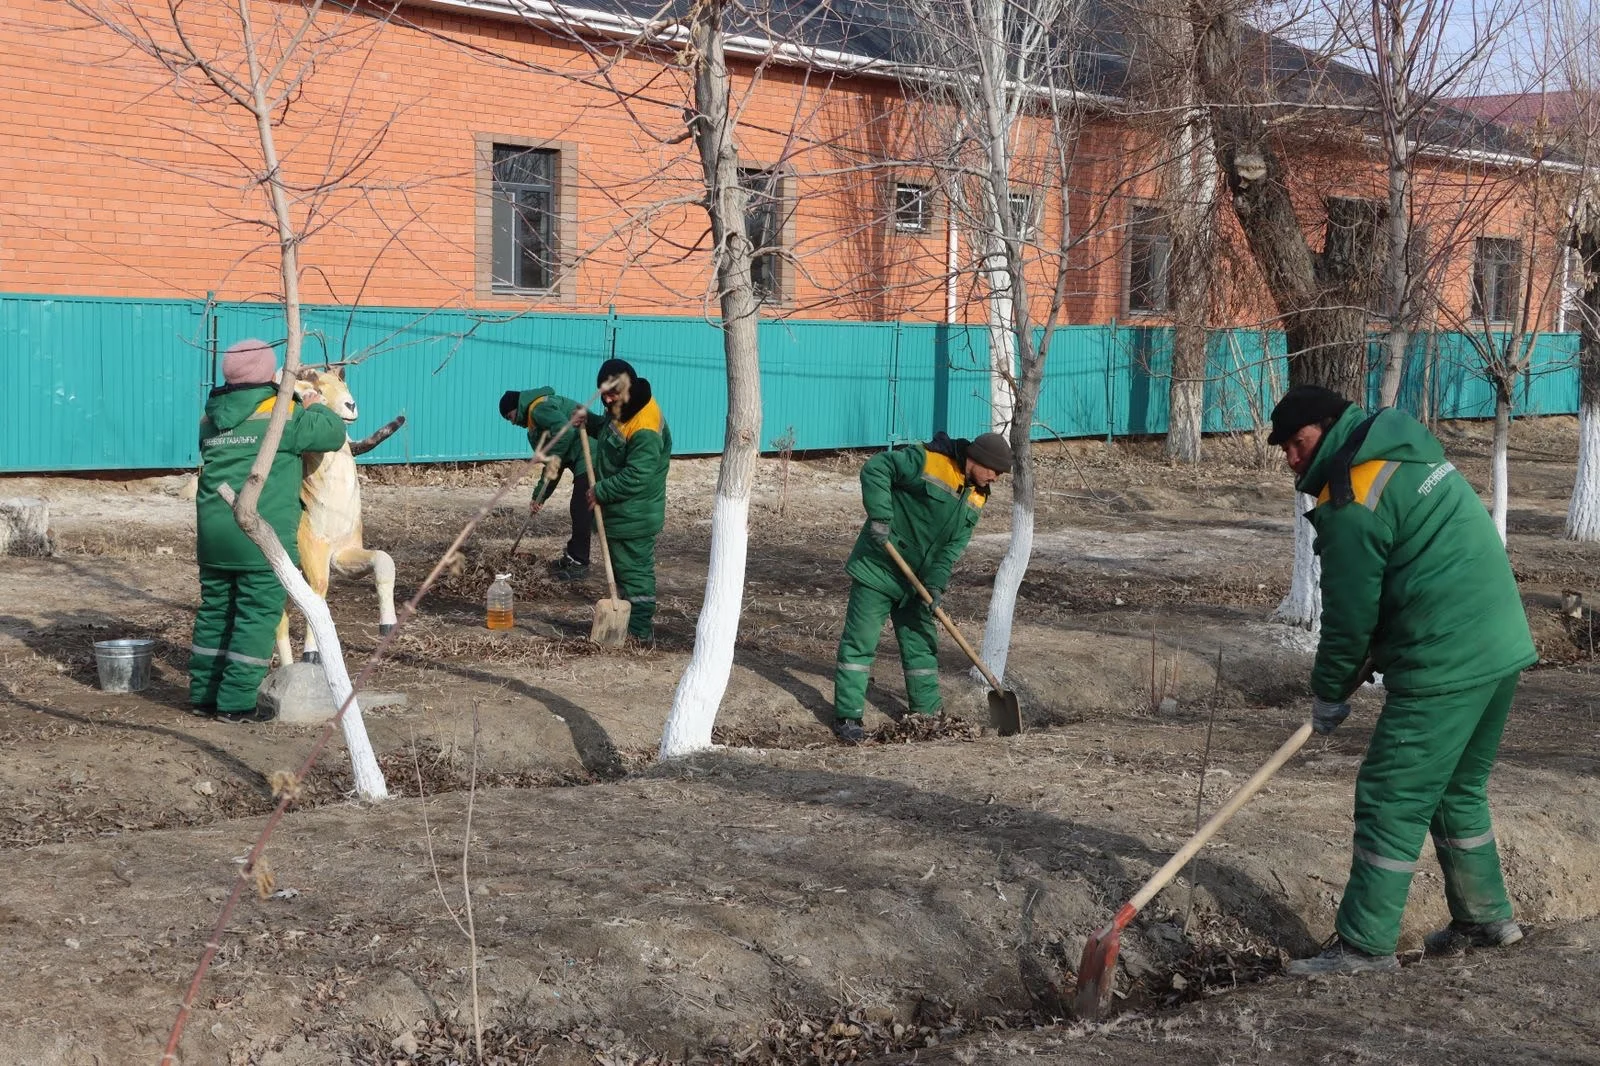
x=116 y=178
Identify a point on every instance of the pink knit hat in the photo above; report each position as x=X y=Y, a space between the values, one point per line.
x=250 y=362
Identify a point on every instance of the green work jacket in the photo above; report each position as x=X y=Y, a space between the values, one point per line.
x=923 y=493
x=230 y=439
x=542 y=412
x=631 y=457
x=1414 y=577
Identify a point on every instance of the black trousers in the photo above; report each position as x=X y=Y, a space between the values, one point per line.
x=582 y=518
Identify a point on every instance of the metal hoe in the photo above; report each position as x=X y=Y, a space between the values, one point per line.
x=1005 y=715
x=1098 y=968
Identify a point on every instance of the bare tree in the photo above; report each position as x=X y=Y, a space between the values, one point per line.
x=673 y=77
x=1188 y=180
x=713 y=125
x=1577 y=28
x=1515 y=282
x=1321 y=297
x=1000 y=115
x=1414 y=54
x=253 y=59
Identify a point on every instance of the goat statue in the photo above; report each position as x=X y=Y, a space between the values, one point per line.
x=330 y=525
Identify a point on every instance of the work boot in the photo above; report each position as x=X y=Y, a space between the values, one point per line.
x=1339 y=958
x=1458 y=938
x=849 y=730
x=567 y=568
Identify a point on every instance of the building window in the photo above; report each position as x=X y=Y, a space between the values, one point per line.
x=1022 y=216
x=1149 y=257
x=526 y=230
x=764 y=226
x=1496 y=286
x=911 y=208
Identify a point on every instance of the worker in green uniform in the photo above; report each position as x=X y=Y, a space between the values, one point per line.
x=925 y=500
x=632 y=450
x=546 y=416
x=240 y=597
x=1415 y=585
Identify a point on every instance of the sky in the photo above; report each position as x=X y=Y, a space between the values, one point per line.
x=1512 y=60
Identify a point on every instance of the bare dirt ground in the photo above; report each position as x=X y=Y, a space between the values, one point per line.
x=784 y=899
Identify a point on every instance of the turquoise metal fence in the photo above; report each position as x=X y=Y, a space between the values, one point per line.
x=102 y=384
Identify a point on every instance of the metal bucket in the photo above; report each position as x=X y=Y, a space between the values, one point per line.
x=124 y=665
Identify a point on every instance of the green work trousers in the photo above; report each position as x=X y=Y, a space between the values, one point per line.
x=634 y=563
x=233 y=634
x=858 y=646
x=1427 y=769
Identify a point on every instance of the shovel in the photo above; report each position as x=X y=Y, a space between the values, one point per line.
x=1098 y=968
x=610 y=627
x=1005 y=715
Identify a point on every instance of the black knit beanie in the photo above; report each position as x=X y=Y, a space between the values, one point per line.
x=508 y=403
x=1301 y=406
x=991 y=450
x=612 y=368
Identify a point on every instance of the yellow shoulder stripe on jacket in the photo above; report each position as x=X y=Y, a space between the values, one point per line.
x=1367 y=481
x=265 y=406
x=941 y=470
x=648 y=417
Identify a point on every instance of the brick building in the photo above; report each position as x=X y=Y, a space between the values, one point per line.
x=500 y=181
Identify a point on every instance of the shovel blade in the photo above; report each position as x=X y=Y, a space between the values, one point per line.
x=610 y=627
x=1005 y=714
x=1097 y=973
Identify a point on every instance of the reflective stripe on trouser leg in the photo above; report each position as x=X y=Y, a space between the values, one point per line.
x=212 y=624
x=919 y=655
x=1463 y=837
x=634 y=563
x=858 y=646
x=1416 y=748
x=257 y=604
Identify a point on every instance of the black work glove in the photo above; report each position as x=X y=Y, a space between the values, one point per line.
x=1326 y=715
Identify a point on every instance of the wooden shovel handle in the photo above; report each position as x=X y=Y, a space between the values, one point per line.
x=599 y=518
x=938 y=612
x=1159 y=880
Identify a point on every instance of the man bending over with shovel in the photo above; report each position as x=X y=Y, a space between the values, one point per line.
x=632 y=451
x=1415 y=585
x=542 y=412
x=925 y=500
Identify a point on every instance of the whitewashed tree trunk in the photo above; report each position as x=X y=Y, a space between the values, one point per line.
x=1002 y=341
x=1583 y=511
x=705 y=680
x=1003 y=598
x=1499 y=483
x=1302 y=606
x=1395 y=74
x=1190 y=194
x=370 y=784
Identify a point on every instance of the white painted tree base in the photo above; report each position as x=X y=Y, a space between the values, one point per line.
x=1499 y=475
x=1583 y=513
x=705 y=680
x=1003 y=600
x=369 y=781
x=1302 y=607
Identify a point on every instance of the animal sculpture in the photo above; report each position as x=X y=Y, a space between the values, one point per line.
x=330 y=537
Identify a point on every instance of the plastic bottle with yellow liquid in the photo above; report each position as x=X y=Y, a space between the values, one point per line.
x=500 y=603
